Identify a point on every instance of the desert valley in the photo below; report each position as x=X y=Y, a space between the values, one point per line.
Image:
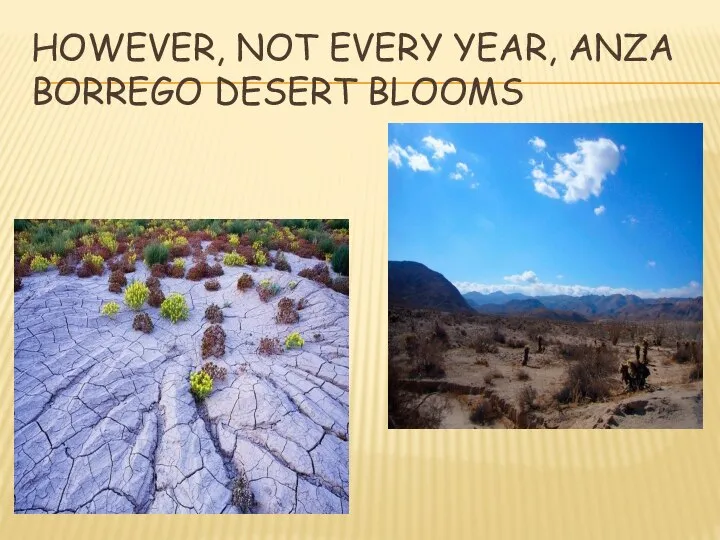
x=511 y=361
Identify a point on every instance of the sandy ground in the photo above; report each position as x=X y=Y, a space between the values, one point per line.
x=669 y=401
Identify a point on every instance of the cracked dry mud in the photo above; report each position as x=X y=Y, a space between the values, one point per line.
x=105 y=422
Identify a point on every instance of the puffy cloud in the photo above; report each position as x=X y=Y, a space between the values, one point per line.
x=546 y=189
x=417 y=161
x=651 y=264
x=438 y=146
x=580 y=174
x=538 y=144
x=461 y=171
x=538 y=288
x=528 y=276
x=600 y=210
x=474 y=185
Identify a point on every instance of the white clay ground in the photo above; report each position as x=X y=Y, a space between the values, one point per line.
x=105 y=422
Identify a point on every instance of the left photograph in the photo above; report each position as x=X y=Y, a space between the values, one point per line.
x=181 y=366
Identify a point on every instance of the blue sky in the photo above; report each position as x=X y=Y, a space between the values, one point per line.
x=550 y=208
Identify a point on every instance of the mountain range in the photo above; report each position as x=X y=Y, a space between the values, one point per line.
x=413 y=285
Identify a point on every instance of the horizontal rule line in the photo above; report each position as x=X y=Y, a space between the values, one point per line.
x=557 y=83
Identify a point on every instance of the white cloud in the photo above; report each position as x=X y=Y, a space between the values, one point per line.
x=538 y=144
x=651 y=264
x=632 y=220
x=546 y=189
x=559 y=276
x=528 y=276
x=438 y=146
x=580 y=174
x=600 y=210
x=417 y=161
x=461 y=171
x=538 y=288
x=474 y=185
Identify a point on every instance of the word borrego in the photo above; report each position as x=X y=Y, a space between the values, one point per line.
x=251 y=91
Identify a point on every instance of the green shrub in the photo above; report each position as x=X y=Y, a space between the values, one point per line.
x=136 y=294
x=179 y=263
x=326 y=245
x=110 y=309
x=39 y=264
x=294 y=340
x=108 y=240
x=234 y=259
x=175 y=308
x=339 y=223
x=292 y=285
x=260 y=258
x=201 y=384
x=341 y=260
x=96 y=261
x=156 y=254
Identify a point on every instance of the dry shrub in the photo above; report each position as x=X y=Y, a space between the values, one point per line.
x=212 y=285
x=683 y=354
x=269 y=346
x=242 y=495
x=177 y=272
x=498 y=337
x=245 y=282
x=213 y=342
x=485 y=344
x=515 y=343
x=482 y=362
x=614 y=332
x=18 y=284
x=526 y=397
x=143 y=323
x=216 y=270
x=570 y=351
x=152 y=283
x=198 y=271
x=158 y=270
x=403 y=410
x=214 y=314
x=341 y=285
x=429 y=361
x=484 y=413
x=281 y=263
x=523 y=375
x=286 y=312
x=589 y=377
x=490 y=377
x=117 y=281
x=216 y=372
x=156 y=297
x=319 y=273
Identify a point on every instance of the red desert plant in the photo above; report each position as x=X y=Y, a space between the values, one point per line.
x=269 y=346
x=143 y=323
x=156 y=297
x=216 y=372
x=245 y=282
x=318 y=273
x=117 y=281
x=212 y=285
x=286 y=312
x=213 y=342
x=214 y=314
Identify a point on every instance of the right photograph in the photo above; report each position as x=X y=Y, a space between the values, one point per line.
x=545 y=276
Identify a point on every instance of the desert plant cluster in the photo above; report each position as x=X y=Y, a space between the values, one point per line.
x=147 y=289
x=531 y=372
x=87 y=248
